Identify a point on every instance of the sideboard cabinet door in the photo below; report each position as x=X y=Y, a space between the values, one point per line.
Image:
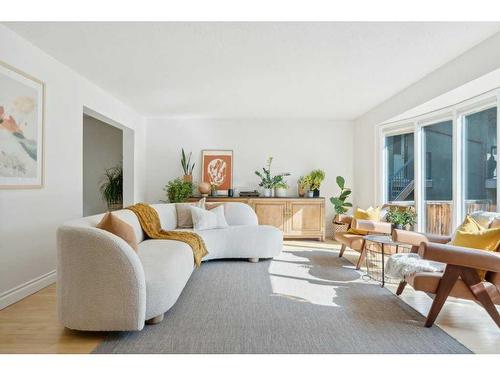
x=306 y=218
x=271 y=212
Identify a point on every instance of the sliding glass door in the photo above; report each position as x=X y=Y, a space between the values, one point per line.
x=446 y=168
x=437 y=164
x=400 y=181
x=480 y=155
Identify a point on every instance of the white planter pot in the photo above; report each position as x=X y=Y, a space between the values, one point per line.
x=280 y=192
x=268 y=193
x=310 y=194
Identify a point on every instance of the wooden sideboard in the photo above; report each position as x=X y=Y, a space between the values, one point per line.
x=296 y=217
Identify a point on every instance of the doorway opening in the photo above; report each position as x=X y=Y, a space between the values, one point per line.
x=102 y=166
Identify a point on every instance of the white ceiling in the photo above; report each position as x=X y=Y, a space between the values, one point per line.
x=288 y=70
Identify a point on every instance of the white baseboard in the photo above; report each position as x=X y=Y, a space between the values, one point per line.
x=19 y=292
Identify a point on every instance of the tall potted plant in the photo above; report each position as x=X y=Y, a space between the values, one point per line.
x=317 y=177
x=112 y=187
x=187 y=167
x=340 y=205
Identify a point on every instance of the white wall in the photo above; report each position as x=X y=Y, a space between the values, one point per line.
x=29 y=218
x=298 y=146
x=102 y=149
x=473 y=64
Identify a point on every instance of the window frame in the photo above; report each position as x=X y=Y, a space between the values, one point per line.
x=456 y=113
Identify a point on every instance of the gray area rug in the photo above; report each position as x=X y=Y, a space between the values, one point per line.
x=305 y=301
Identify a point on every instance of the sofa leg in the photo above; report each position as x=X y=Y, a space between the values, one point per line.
x=362 y=256
x=401 y=287
x=253 y=260
x=155 y=320
x=342 y=249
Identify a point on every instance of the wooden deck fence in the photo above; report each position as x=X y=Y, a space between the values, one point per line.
x=439 y=214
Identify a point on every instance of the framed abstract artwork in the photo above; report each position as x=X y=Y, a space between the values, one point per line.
x=21 y=129
x=217 y=169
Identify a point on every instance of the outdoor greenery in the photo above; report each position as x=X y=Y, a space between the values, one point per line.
x=339 y=203
x=178 y=190
x=112 y=185
x=268 y=181
x=187 y=167
x=317 y=176
x=402 y=217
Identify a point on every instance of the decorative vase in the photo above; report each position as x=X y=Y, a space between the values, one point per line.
x=280 y=192
x=204 y=188
x=268 y=193
x=316 y=193
x=310 y=194
x=302 y=191
x=399 y=226
x=188 y=178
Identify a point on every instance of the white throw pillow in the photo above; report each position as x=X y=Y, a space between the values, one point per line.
x=204 y=219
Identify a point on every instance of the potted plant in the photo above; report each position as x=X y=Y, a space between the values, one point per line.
x=112 y=187
x=280 y=189
x=317 y=177
x=402 y=218
x=187 y=167
x=340 y=205
x=301 y=187
x=178 y=190
x=267 y=181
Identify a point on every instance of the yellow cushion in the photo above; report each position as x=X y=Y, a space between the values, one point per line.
x=470 y=225
x=483 y=239
x=371 y=213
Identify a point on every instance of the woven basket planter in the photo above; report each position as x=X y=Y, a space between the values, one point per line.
x=115 y=206
x=339 y=227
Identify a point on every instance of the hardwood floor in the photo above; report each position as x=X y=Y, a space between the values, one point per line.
x=31 y=325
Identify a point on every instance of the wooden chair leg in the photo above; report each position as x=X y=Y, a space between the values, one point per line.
x=401 y=287
x=362 y=256
x=445 y=286
x=473 y=281
x=342 y=249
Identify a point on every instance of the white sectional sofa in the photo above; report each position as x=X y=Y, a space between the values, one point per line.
x=104 y=285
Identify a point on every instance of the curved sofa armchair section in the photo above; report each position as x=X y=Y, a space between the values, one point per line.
x=104 y=285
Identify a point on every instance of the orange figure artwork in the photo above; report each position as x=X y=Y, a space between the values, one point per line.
x=218 y=169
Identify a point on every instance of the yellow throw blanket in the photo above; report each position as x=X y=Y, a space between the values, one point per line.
x=150 y=223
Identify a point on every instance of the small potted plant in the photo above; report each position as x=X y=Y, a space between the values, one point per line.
x=280 y=189
x=187 y=167
x=178 y=190
x=340 y=205
x=301 y=187
x=317 y=177
x=402 y=218
x=112 y=187
x=267 y=181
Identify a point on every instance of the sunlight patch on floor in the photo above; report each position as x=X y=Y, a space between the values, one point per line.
x=296 y=277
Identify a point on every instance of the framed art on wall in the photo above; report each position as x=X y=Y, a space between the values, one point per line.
x=217 y=169
x=21 y=129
